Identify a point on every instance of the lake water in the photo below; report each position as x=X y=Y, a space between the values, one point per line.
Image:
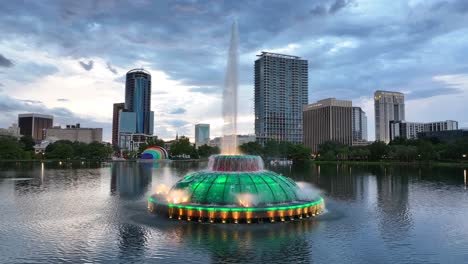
x=86 y=213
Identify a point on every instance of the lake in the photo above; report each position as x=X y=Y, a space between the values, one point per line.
x=84 y=212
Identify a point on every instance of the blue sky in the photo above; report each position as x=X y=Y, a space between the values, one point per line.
x=69 y=58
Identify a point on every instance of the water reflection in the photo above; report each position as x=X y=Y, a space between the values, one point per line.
x=289 y=242
x=130 y=180
x=394 y=214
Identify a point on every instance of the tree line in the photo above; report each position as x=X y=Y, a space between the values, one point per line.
x=23 y=149
x=402 y=150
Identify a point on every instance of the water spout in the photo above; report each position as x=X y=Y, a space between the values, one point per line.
x=229 y=142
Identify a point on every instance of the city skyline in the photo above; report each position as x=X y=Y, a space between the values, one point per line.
x=78 y=81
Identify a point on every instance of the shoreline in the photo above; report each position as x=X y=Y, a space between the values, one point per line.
x=316 y=162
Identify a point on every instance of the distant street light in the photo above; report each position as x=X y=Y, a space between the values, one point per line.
x=464 y=155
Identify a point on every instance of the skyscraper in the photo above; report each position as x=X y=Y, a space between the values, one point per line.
x=202 y=134
x=34 y=124
x=388 y=106
x=115 y=122
x=281 y=92
x=138 y=99
x=359 y=124
x=327 y=120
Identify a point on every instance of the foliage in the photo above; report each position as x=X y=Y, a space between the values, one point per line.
x=182 y=147
x=64 y=149
x=11 y=149
x=403 y=150
x=27 y=142
x=275 y=149
x=205 y=151
x=150 y=143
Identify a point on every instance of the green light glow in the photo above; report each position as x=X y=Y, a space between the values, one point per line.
x=244 y=209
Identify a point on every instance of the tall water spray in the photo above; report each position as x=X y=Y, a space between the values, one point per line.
x=229 y=142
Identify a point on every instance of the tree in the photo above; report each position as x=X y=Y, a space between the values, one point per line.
x=10 y=149
x=27 y=142
x=251 y=148
x=378 y=150
x=181 y=147
x=59 y=150
x=204 y=151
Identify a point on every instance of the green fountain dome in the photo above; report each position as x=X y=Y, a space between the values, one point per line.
x=237 y=188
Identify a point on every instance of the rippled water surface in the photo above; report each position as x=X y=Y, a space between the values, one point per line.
x=97 y=213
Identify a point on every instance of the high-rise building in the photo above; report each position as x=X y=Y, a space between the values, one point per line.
x=359 y=124
x=202 y=134
x=281 y=92
x=404 y=129
x=388 y=106
x=411 y=130
x=138 y=99
x=441 y=126
x=34 y=124
x=115 y=122
x=328 y=120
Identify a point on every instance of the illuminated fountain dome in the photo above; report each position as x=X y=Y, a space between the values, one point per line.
x=236 y=189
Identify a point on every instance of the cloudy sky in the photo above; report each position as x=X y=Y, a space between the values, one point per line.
x=69 y=58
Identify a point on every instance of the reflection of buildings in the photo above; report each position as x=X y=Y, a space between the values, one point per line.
x=130 y=180
x=392 y=200
x=285 y=243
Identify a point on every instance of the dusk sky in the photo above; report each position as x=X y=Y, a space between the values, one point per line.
x=69 y=58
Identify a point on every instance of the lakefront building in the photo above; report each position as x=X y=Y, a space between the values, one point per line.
x=359 y=125
x=281 y=92
x=328 y=120
x=74 y=133
x=388 y=106
x=411 y=130
x=33 y=125
x=115 y=122
x=202 y=134
x=135 y=121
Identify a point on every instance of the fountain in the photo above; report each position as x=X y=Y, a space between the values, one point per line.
x=235 y=188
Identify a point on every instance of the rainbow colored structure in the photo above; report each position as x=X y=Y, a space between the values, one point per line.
x=154 y=153
x=236 y=189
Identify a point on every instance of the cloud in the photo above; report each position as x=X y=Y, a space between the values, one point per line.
x=62 y=100
x=110 y=68
x=178 y=111
x=206 y=90
x=4 y=62
x=87 y=66
x=32 y=101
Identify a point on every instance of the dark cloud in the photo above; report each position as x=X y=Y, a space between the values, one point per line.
x=427 y=93
x=338 y=5
x=178 y=111
x=4 y=62
x=110 y=68
x=87 y=66
x=62 y=100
